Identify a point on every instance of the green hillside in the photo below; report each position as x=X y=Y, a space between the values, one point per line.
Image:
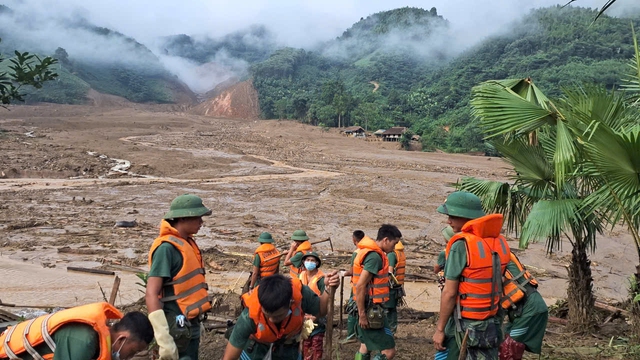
x=141 y=80
x=554 y=46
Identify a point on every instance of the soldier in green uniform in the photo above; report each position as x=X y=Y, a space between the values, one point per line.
x=527 y=322
x=177 y=333
x=483 y=341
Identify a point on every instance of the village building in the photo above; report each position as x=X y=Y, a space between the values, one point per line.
x=354 y=131
x=393 y=134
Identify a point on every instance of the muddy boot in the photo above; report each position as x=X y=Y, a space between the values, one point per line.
x=380 y=356
x=361 y=356
x=511 y=349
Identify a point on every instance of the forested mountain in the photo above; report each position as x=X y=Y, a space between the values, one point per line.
x=430 y=92
x=399 y=67
x=102 y=59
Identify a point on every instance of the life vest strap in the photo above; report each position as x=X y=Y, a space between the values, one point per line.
x=180 y=280
x=45 y=334
x=6 y=347
x=475 y=281
x=197 y=305
x=27 y=346
x=185 y=293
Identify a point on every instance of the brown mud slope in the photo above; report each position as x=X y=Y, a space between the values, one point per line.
x=238 y=101
x=60 y=198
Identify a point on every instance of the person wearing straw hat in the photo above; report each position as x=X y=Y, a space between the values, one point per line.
x=176 y=295
x=265 y=261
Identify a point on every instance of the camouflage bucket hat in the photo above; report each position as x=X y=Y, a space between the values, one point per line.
x=299 y=235
x=186 y=205
x=462 y=204
x=266 y=238
x=312 y=254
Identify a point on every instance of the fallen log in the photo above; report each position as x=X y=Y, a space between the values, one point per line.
x=555 y=320
x=91 y=271
x=602 y=306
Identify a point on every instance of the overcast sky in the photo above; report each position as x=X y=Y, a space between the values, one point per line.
x=296 y=22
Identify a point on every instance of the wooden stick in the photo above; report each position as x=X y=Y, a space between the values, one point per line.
x=329 y=330
x=463 y=346
x=114 y=290
x=555 y=320
x=33 y=306
x=92 y=271
x=341 y=323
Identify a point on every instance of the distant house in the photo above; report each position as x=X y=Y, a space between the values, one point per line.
x=355 y=131
x=378 y=133
x=393 y=134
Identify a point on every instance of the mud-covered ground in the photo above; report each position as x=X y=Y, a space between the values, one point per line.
x=60 y=197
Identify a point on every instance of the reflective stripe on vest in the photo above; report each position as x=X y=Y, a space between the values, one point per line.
x=514 y=289
x=268 y=267
x=294 y=271
x=189 y=285
x=266 y=332
x=399 y=269
x=23 y=338
x=480 y=286
x=313 y=283
x=378 y=288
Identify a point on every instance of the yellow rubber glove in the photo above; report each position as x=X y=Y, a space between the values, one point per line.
x=307 y=329
x=167 y=347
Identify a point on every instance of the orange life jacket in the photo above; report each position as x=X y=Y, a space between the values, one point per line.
x=189 y=285
x=513 y=289
x=266 y=252
x=480 y=286
x=401 y=261
x=378 y=288
x=313 y=282
x=21 y=339
x=266 y=331
x=294 y=271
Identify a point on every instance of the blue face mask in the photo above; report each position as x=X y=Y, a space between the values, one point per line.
x=116 y=355
x=310 y=265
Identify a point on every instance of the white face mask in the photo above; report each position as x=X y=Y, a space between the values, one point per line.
x=116 y=355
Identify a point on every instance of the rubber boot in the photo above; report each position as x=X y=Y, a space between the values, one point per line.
x=361 y=356
x=380 y=356
x=511 y=349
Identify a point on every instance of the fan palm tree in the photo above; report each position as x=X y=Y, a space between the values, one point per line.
x=577 y=168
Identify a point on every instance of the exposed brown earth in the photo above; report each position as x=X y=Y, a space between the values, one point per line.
x=58 y=192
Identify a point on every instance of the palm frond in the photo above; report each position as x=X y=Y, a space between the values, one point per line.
x=533 y=171
x=503 y=111
x=548 y=220
x=632 y=81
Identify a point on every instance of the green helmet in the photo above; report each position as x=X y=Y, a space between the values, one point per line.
x=266 y=238
x=312 y=254
x=462 y=204
x=299 y=235
x=186 y=205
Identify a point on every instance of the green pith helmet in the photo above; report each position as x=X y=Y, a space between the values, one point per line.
x=312 y=254
x=299 y=235
x=462 y=204
x=186 y=205
x=448 y=233
x=265 y=238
